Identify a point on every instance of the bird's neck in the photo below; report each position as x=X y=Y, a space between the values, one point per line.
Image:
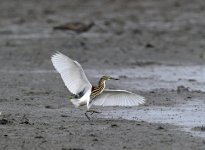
x=101 y=83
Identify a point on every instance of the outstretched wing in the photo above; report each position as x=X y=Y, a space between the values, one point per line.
x=72 y=73
x=118 y=98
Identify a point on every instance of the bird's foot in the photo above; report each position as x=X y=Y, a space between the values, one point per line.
x=92 y=112
x=72 y=96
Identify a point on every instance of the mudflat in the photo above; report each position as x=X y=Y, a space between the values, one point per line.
x=156 y=49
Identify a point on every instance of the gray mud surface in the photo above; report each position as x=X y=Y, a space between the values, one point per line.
x=155 y=47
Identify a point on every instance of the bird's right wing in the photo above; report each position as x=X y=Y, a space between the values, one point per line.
x=72 y=73
x=117 y=98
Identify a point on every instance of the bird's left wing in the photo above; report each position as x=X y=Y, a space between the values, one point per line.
x=118 y=98
x=72 y=73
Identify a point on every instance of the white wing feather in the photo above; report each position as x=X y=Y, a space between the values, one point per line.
x=118 y=98
x=71 y=72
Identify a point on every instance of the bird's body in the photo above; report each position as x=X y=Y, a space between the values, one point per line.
x=86 y=94
x=95 y=91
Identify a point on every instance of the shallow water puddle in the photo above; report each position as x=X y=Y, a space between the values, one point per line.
x=168 y=77
x=187 y=116
x=162 y=72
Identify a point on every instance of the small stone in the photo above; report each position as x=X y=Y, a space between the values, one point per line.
x=93 y=135
x=192 y=80
x=95 y=139
x=64 y=116
x=25 y=120
x=182 y=89
x=202 y=128
x=114 y=125
x=48 y=107
x=62 y=128
x=160 y=128
x=3 y=121
x=149 y=45
x=38 y=137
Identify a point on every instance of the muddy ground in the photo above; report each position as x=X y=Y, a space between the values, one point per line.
x=142 y=35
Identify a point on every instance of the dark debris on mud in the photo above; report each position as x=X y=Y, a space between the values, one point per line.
x=199 y=128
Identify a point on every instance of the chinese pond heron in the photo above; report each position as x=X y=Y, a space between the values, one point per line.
x=86 y=94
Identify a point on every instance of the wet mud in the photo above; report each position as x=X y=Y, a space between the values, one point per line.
x=156 y=49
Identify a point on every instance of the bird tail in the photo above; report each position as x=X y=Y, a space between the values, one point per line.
x=75 y=102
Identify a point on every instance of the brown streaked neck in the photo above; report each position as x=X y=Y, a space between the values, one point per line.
x=101 y=82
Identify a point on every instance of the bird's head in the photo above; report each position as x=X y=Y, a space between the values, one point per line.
x=108 y=78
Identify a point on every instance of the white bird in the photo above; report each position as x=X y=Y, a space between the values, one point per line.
x=85 y=94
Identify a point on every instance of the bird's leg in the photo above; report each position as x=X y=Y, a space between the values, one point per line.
x=87 y=116
x=73 y=96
